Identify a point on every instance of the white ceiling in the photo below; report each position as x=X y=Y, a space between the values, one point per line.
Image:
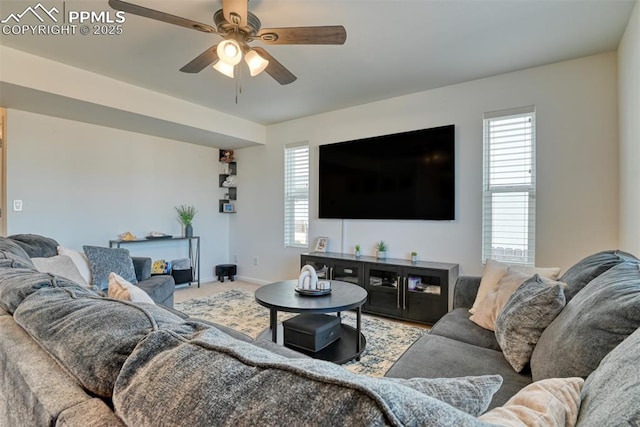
x=393 y=48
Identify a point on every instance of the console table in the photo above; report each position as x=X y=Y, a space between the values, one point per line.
x=194 y=250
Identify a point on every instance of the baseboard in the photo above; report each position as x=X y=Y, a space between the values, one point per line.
x=253 y=280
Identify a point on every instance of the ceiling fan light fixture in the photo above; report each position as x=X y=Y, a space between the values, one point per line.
x=256 y=63
x=229 y=51
x=224 y=68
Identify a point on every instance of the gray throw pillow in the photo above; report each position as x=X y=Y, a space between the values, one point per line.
x=36 y=246
x=468 y=394
x=529 y=311
x=103 y=261
x=611 y=394
x=587 y=269
x=596 y=320
x=60 y=265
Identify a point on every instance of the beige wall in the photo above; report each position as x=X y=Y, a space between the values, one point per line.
x=629 y=106
x=577 y=153
x=85 y=184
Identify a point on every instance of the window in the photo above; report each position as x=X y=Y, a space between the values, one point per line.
x=296 y=196
x=509 y=196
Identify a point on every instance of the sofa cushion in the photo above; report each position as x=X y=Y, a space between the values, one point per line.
x=456 y=325
x=587 y=269
x=12 y=255
x=434 y=356
x=596 y=320
x=611 y=393
x=36 y=246
x=16 y=284
x=60 y=265
x=495 y=270
x=260 y=386
x=531 y=308
x=80 y=260
x=159 y=288
x=486 y=312
x=90 y=335
x=109 y=260
x=548 y=403
x=124 y=290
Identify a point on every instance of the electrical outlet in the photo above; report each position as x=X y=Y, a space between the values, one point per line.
x=255 y=260
x=17 y=205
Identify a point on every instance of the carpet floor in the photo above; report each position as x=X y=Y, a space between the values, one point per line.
x=237 y=309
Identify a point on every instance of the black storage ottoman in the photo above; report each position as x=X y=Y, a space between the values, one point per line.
x=229 y=270
x=311 y=332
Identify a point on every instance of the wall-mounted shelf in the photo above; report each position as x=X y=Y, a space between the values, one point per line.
x=226 y=204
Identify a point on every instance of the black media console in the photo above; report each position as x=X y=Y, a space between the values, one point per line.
x=417 y=291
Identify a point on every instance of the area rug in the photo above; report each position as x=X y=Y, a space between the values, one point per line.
x=237 y=309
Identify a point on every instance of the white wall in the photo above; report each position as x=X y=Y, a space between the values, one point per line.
x=577 y=156
x=85 y=184
x=629 y=105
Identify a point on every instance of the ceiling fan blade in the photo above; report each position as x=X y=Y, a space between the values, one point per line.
x=332 y=34
x=235 y=11
x=160 y=16
x=276 y=69
x=201 y=61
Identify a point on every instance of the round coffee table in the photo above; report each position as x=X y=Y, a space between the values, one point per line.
x=281 y=296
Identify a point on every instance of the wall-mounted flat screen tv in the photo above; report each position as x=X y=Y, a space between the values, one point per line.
x=409 y=175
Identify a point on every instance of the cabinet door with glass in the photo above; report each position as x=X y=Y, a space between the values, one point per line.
x=424 y=296
x=382 y=283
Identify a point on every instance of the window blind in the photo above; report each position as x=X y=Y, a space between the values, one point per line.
x=509 y=182
x=296 y=196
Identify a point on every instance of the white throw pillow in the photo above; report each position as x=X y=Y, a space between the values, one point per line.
x=121 y=289
x=492 y=304
x=494 y=270
x=549 y=403
x=80 y=260
x=60 y=265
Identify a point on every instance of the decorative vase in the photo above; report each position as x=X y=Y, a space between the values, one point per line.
x=188 y=230
x=414 y=258
x=382 y=254
x=357 y=254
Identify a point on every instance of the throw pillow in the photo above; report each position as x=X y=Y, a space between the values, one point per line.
x=36 y=246
x=592 y=324
x=491 y=305
x=80 y=260
x=107 y=260
x=547 y=403
x=494 y=270
x=60 y=265
x=527 y=313
x=121 y=289
x=468 y=394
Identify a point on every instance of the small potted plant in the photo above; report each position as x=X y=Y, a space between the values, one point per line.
x=381 y=247
x=357 y=248
x=185 y=215
x=414 y=256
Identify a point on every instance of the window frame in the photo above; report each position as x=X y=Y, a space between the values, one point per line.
x=293 y=196
x=528 y=189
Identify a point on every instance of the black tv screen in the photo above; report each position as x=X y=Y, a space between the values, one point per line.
x=409 y=175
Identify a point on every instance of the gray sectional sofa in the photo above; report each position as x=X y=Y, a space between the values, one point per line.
x=71 y=357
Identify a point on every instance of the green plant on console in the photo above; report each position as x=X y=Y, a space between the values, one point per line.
x=414 y=253
x=357 y=248
x=186 y=214
x=381 y=246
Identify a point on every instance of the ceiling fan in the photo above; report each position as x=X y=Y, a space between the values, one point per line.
x=239 y=27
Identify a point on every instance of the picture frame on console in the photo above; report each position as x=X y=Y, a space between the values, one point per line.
x=228 y=207
x=321 y=244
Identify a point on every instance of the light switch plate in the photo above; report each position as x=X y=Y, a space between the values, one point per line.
x=17 y=205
